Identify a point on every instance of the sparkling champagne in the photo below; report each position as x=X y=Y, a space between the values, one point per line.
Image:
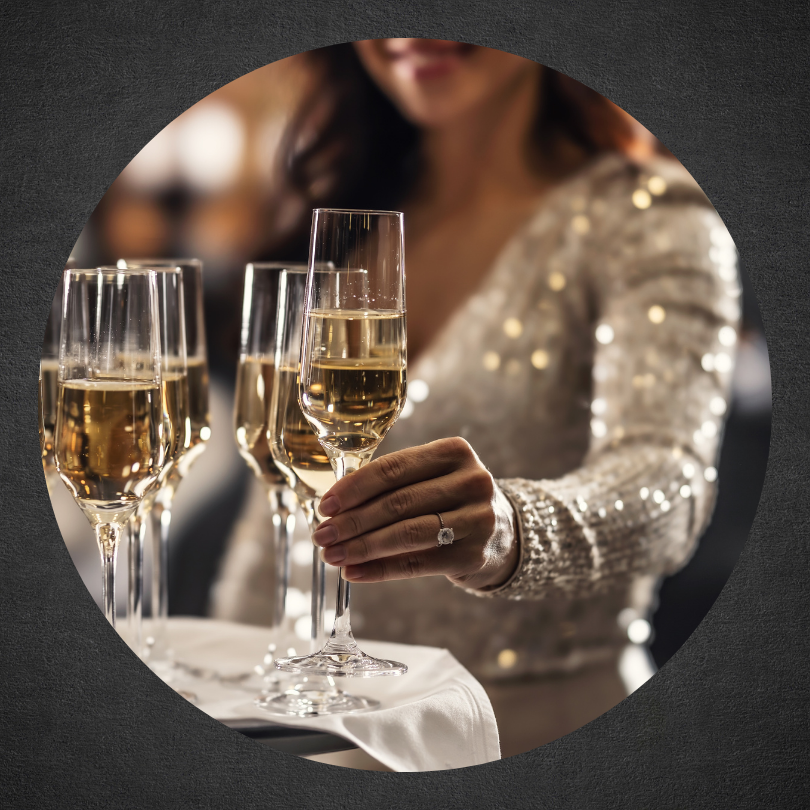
x=199 y=418
x=302 y=453
x=198 y=400
x=354 y=385
x=176 y=404
x=108 y=444
x=254 y=393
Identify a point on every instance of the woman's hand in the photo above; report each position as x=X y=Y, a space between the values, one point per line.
x=382 y=519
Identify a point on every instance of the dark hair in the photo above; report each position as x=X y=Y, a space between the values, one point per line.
x=347 y=145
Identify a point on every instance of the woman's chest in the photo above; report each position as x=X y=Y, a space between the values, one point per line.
x=509 y=369
x=447 y=262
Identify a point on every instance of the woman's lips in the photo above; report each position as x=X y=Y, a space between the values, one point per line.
x=420 y=59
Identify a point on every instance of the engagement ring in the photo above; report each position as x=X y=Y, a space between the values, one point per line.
x=445 y=536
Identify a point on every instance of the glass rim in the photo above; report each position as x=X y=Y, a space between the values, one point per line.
x=361 y=211
x=110 y=270
x=293 y=266
x=157 y=263
x=168 y=268
x=302 y=267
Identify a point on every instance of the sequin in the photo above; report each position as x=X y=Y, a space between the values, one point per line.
x=556 y=281
x=512 y=328
x=656 y=314
x=604 y=334
x=709 y=429
x=581 y=224
x=727 y=335
x=639 y=631
x=722 y=362
x=657 y=185
x=728 y=272
x=540 y=359
x=642 y=199
x=491 y=361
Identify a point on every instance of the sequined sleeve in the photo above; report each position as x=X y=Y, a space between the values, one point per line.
x=663 y=274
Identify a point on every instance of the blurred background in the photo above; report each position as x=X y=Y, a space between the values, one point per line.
x=201 y=188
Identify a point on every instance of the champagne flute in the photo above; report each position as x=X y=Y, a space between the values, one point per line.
x=48 y=374
x=177 y=435
x=352 y=386
x=108 y=440
x=254 y=390
x=299 y=455
x=157 y=647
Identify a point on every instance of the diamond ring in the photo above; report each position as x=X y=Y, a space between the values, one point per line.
x=445 y=536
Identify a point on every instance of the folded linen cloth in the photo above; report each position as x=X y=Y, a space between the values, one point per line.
x=435 y=717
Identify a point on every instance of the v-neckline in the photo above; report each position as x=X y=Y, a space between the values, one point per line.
x=492 y=275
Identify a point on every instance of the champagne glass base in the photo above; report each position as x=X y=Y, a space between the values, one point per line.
x=354 y=664
x=314 y=703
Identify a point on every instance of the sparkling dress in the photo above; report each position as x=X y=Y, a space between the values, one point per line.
x=589 y=371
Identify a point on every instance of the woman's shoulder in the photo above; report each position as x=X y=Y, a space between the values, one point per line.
x=614 y=187
x=638 y=182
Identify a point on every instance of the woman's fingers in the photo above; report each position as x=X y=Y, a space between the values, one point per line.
x=464 y=557
x=403 y=566
x=405 y=537
x=394 y=471
x=426 y=497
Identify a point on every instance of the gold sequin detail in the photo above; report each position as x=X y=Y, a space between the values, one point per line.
x=491 y=361
x=657 y=314
x=657 y=185
x=540 y=359
x=642 y=199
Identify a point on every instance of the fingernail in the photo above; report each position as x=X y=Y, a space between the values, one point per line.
x=334 y=555
x=325 y=535
x=329 y=506
x=352 y=573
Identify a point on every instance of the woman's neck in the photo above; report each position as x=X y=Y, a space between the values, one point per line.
x=485 y=155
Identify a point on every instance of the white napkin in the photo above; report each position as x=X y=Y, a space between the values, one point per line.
x=435 y=717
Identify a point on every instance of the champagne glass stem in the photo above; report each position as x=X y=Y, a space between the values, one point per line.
x=310 y=509
x=107 y=536
x=282 y=505
x=342 y=631
x=136 y=531
x=161 y=516
x=318 y=601
x=316 y=636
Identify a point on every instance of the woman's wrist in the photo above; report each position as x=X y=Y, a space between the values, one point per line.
x=505 y=550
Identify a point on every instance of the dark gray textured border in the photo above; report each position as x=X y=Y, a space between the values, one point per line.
x=85 y=86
